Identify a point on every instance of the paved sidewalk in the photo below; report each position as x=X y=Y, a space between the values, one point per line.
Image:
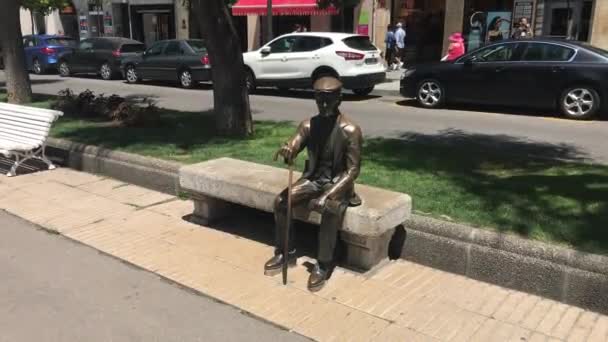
x=401 y=302
x=56 y=290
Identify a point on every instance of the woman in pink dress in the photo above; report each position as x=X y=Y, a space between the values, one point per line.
x=456 y=48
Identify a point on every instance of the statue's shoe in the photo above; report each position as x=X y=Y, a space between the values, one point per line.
x=275 y=264
x=317 y=278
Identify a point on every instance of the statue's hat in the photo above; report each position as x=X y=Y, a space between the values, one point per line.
x=327 y=84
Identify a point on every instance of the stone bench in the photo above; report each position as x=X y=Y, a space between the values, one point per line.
x=367 y=229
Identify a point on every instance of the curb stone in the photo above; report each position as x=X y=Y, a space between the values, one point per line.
x=504 y=259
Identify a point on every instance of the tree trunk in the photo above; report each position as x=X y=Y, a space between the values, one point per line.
x=18 y=85
x=230 y=96
x=33 y=21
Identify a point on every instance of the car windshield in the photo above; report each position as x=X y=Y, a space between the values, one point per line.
x=359 y=43
x=197 y=45
x=132 y=48
x=602 y=52
x=61 y=41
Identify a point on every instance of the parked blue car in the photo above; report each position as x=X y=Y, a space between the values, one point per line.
x=42 y=51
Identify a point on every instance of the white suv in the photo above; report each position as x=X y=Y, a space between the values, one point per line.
x=296 y=60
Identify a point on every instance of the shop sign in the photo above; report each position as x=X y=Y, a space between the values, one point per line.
x=107 y=25
x=363 y=24
x=83 y=24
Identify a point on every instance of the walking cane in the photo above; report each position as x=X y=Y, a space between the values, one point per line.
x=288 y=228
x=288 y=225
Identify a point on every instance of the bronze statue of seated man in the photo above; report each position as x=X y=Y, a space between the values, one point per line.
x=333 y=143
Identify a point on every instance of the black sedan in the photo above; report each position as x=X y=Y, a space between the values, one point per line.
x=539 y=73
x=184 y=61
x=101 y=56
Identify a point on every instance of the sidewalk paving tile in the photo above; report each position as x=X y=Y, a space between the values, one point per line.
x=582 y=327
x=524 y=307
x=537 y=337
x=492 y=303
x=565 y=325
x=469 y=329
x=552 y=318
x=538 y=313
x=403 y=301
x=397 y=333
x=176 y=209
x=599 y=333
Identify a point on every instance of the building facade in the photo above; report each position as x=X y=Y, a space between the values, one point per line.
x=430 y=22
x=143 y=20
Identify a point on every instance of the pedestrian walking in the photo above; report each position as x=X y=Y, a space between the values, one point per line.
x=390 y=41
x=400 y=42
x=456 y=48
x=523 y=29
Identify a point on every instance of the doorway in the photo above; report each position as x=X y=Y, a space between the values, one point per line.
x=568 y=19
x=152 y=23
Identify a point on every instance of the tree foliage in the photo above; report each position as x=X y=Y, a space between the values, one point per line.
x=43 y=7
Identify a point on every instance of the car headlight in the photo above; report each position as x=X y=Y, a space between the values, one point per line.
x=408 y=73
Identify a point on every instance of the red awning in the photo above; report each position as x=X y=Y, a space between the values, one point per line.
x=281 y=7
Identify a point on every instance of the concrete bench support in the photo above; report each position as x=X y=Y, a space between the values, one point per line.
x=208 y=209
x=367 y=229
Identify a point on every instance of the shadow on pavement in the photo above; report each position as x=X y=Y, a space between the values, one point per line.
x=34 y=82
x=258 y=226
x=30 y=166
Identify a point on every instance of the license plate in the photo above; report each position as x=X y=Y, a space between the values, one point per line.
x=371 y=61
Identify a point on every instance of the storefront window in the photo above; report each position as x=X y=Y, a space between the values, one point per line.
x=424 y=22
x=487 y=21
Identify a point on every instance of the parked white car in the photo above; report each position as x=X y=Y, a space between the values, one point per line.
x=296 y=60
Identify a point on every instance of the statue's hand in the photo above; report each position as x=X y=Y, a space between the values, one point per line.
x=318 y=204
x=286 y=152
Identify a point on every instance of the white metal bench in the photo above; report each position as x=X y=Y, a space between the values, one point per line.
x=23 y=133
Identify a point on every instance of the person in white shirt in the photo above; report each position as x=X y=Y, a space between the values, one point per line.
x=400 y=45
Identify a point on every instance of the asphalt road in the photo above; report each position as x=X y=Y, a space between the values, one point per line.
x=56 y=290
x=523 y=131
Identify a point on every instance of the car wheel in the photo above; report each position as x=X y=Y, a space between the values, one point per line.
x=430 y=94
x=579 y=103
x=131 y=74
x=105 y=71
x=37 y=67
x=250 y=82
x=64 y=69
x=363 y=91
x=185 y=79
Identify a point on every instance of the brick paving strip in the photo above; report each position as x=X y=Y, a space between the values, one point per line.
x=403 y=301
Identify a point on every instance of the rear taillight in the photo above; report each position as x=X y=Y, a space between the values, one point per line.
x=350 y=56
x=205 y=60
x=116 y=53
x=47 y=50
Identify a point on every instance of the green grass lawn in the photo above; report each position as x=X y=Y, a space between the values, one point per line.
x=486 y=181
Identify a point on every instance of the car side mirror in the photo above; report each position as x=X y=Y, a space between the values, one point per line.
x=265 y=50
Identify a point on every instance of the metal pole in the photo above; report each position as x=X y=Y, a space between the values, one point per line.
x=130 y=23
x=288 y=226
x=269 y=34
